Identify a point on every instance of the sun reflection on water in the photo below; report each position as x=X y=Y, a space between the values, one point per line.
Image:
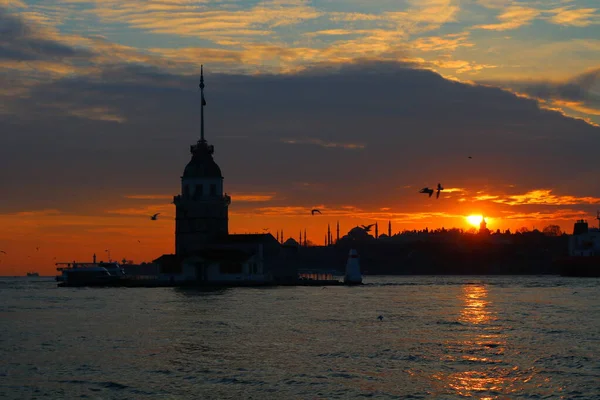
x=476 y=309
x=476 y=351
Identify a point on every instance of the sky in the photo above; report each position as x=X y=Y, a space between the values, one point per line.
x=347 y=106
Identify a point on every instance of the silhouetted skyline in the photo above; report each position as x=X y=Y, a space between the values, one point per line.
x=96 y=129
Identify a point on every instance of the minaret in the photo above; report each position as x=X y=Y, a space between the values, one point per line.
x=390 y=228
x=300 y=242
x=278 y=237
x=305 y=237
x=483 y=226
x=328 y=235
x=337 y=238
x=376 y=230
x=201 y=210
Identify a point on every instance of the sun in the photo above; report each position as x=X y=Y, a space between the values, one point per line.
x=474 y=220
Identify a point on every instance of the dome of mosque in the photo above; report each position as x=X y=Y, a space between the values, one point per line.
x=291 y=242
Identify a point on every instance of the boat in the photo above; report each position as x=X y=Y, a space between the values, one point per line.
x=79 y=274
x=33 y=274
x=583 y=259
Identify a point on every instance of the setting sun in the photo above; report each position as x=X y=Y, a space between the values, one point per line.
x=474 y=220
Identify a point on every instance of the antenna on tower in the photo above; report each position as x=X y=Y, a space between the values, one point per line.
x=203 y=103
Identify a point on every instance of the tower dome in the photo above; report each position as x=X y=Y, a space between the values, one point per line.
x=202 y=164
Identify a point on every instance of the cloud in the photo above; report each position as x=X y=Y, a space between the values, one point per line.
x=557 y=215
x=21 y=41
x=213 y=22
x=322 y=143
x=446 y=43
x=545 y=197
x=252 y=197
x=410 y=124
x=512 y=17
x=581 y=17
x=484 y=197
x=580 y=93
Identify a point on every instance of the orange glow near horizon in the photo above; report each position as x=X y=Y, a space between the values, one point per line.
x=34 y=241
x=474 y=220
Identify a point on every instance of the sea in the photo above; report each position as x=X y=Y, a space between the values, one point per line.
x=409 y=337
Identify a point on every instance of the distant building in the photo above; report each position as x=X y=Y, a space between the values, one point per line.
x=483 y=230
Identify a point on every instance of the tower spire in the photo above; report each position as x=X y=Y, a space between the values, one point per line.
x=203 y=103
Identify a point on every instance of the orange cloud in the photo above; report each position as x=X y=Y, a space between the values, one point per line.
x=580 y=17
x=193 y=19
x=577 y=106
x=485 y=197
x=513 y=17
x=545 y=197
x=446 y=43
x=251 y=197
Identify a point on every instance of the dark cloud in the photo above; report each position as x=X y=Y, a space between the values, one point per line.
x=583 y=88
x=21 y=42
x=357 y=134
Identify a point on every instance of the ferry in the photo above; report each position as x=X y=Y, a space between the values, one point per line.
x=78 y=274
x=33 y=274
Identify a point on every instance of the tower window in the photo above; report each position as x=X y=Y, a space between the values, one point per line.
x=198 y=191
x=213 y=189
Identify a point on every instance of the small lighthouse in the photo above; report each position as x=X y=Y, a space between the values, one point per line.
x=353 y=276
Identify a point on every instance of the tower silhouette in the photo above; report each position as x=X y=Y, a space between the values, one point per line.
x=201 y=210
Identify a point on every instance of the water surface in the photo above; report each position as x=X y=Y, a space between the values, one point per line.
x=440 y=337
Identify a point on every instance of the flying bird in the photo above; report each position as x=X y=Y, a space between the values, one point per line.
x=153 y=218
x=439 y=189
x=380 y=318
x=367 y=228
x=314 y=211
x=2 y=251
x=426 y=190
x=470 y=157
x=37 y=249
x=265 y=229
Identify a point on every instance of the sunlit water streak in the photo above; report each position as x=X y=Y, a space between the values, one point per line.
x=441 y=337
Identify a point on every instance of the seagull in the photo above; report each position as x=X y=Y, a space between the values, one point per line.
x=426 y=190
x=139 y=241
x=380 y=318
x=37 y=249
x=265 y=229
x=439 y=189
x=153 y=218
x=313 y=211
x=470 y=157
x=2 y=251
x=367 y=228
